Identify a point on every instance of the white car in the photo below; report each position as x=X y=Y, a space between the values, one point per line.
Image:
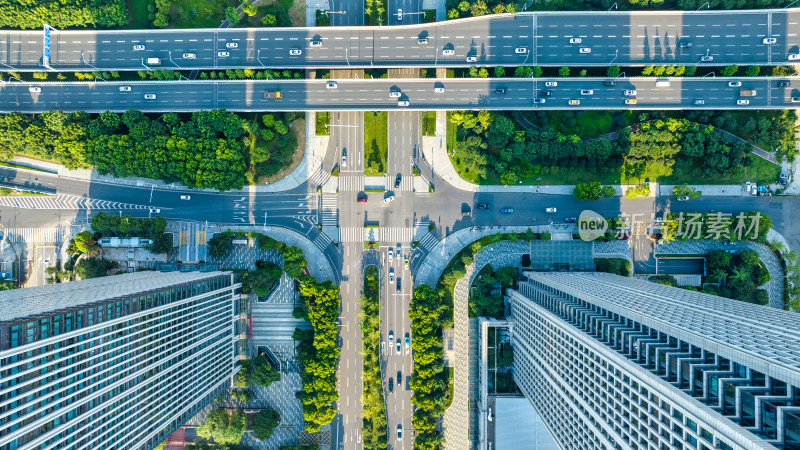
x=344 y=161
x=138 y=47
x=794 y=56
x=401 y=103
x=575 y=40
x=629 y=92
x=34 y=89
x=438 y=90
x=315 y=44
x=149 y=96
x=538 y=101
x=734 y=84
x=521 y=50
x=399 y=432
x=223 y=54
x=795 y=99
x=189 y=56
x=472 y=58
x=387 y=200
x=422 y=41
x=155 y=210
x=391 y=254
x=295 y=52
x=399 y=14
x=448 y=52
x=186 y=197
x=742 y=102
x=550 y=210
x=769 y=41
x=551 y=83
x=585 y=50
x=331 y=85
x=232 y=45
x=391 y=338
x=391 y=275
x=587 y=92
x=124 y=88
x=395 y=94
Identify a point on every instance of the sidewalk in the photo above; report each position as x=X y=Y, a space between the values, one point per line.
x=734 y=190
x=311 y=164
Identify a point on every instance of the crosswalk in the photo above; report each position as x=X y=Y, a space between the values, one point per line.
x=330 y=210
x=351 y=183
x=406 y=184
x=428 y=241
x=322 y=241
x=63 y=201
x=382 y=234
x=319 y=177
x=39 y=235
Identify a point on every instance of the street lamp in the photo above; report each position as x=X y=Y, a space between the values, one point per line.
x=614 y=6
x=83 y=59
x=615 y=56
x=258 y=57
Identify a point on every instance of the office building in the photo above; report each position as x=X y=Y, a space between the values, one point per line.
x=113 y=363
x=611 y=362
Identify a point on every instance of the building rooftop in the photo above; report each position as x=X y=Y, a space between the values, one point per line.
x=20 y=303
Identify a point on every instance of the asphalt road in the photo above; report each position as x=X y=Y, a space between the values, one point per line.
x=624 y=38
x=374 y=94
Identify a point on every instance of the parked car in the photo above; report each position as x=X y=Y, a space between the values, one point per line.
x=794 y=56
x=399 y=14
x=550 y=210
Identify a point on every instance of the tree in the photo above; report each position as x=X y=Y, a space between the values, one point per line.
x=564 y=71
x=729 y=71
x=232 y=15
x=262 y=372
x=93 y=268
x=84 y=242
x=264 y=423
x=499 y=72
x=262 y=279
x=642 y=190
x=608 y=191
x=587 y=191
x=269 y=20
x=219 y=245
x=249 y=8
x=718 y=260
x=223 y=427
x=683 y=190
x=613 y=71
x=753 y=71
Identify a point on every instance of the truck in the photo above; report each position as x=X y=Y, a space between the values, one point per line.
x=747 y=93
x=153 y=61
x=272 y=95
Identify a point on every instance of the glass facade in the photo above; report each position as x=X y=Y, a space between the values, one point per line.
x=120 y=372
x=605 y=380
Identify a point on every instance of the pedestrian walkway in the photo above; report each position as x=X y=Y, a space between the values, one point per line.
x=63 y=201
x=732 y=190
x=382 y=234
x=350 y=183
x=322 y=241
x=428 y=241
x=192 y=238
x=330 y=210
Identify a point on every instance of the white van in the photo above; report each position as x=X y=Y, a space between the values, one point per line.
x=662 y=83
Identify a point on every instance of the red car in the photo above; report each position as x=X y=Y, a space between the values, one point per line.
x=362 y=200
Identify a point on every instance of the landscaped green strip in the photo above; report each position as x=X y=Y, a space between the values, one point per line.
x=373 y=415
x=375 y=142
x=429 y=123
x=323 y=120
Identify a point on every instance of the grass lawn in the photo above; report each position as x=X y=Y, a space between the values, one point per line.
x=198 y=13
x=429 y=123
x=449 y=388
x=322 y=121
x=138 y=16
x=375 y=137
x=430 y=16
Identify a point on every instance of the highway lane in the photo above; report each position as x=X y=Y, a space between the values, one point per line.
x=623 y=38
x=374 y=94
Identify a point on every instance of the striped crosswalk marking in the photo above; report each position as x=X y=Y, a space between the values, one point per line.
x=351 y=234
x=322 y=241
x=351 y=183
x=319 y=177
x=63 y=201
x=428 y=241
x=43 y=235
x=330 y=210
x=406 y=184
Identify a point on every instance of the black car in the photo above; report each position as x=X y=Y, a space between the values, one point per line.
x=784 y=83
x=483 y=206
x=391 y=385
x=500 y=91
x=399 y=378
x=685 y=44
x=545 y=94
x=609 y=83
x=397 y=180
x=398 y=290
